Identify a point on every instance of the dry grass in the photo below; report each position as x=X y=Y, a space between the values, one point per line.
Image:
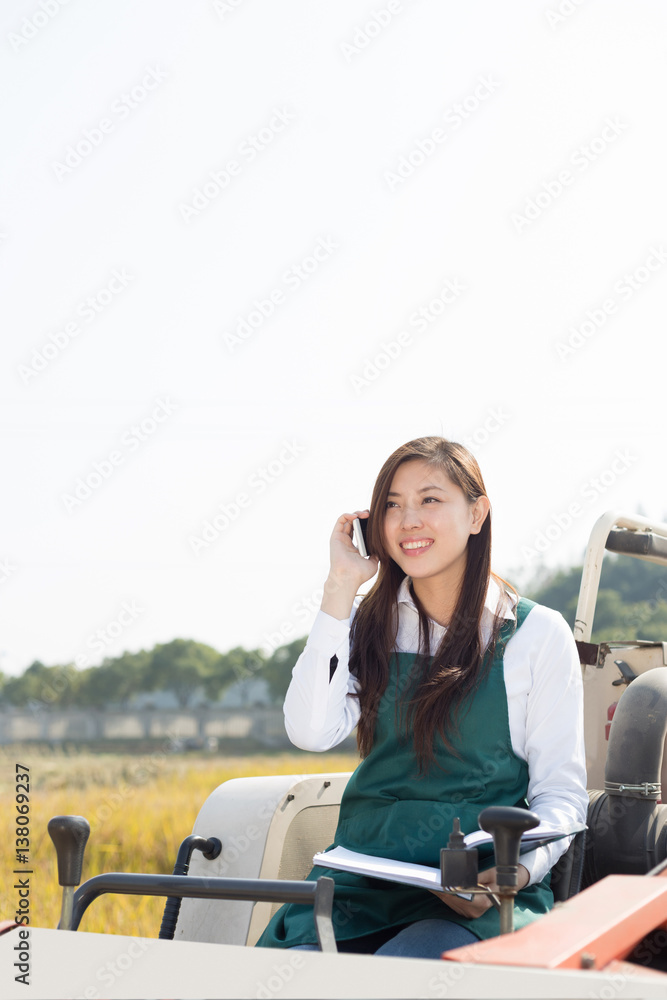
x=139 y=809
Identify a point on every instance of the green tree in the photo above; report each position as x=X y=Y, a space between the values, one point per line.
x=115 y=680
x=182 y=666
x=20 y=691
x=278 y=670
x=44 y=686
x=631 y=601
x=238 y=665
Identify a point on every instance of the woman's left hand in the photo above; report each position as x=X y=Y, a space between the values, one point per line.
x=479 y=904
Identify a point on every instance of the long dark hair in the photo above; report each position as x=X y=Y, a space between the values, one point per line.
x=444 y=680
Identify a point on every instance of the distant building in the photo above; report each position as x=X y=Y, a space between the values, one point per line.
x=250 y=693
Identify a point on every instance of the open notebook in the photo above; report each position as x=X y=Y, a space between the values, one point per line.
x=422 y=875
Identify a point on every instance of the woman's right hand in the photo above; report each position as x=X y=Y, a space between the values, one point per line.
x=348 y=569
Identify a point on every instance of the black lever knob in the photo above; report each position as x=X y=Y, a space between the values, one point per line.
x=507 y=825
x=627 y=674
x=70 y=836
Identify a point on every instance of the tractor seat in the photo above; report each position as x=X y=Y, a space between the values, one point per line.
x=270 y=828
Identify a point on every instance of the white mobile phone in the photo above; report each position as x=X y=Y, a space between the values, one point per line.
x=359 y=526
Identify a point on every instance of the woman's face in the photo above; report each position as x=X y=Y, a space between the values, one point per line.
x=428 y=521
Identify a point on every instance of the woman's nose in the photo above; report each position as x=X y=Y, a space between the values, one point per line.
x=411 y=518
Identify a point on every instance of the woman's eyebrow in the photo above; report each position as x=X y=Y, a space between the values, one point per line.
x=424 y=489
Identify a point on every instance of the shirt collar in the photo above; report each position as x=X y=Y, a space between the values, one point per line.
x=493 y=595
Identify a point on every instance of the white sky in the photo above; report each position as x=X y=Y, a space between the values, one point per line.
x=582 y=95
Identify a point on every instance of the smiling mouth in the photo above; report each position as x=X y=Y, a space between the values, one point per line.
x=417 y=546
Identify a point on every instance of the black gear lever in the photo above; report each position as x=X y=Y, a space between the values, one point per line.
x=507 y=825
x=70 y=836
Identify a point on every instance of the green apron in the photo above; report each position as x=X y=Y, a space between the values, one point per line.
x=387 y=810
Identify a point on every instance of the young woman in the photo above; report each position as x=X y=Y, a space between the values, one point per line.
x=464 y=696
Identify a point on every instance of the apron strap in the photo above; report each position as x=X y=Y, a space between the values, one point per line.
x=509 y=627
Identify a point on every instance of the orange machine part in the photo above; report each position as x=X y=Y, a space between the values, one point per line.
x=600 y=924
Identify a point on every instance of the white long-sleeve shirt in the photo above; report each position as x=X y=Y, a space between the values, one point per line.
x=544 y=697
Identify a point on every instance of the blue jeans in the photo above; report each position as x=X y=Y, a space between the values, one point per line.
x=423 y=939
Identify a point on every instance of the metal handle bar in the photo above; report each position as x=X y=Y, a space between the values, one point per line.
x=590 y=577
x=319 y=894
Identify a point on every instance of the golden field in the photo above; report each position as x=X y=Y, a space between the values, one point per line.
x=139 y=807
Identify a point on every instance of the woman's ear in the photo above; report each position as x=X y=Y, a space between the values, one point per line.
x=480 y=510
